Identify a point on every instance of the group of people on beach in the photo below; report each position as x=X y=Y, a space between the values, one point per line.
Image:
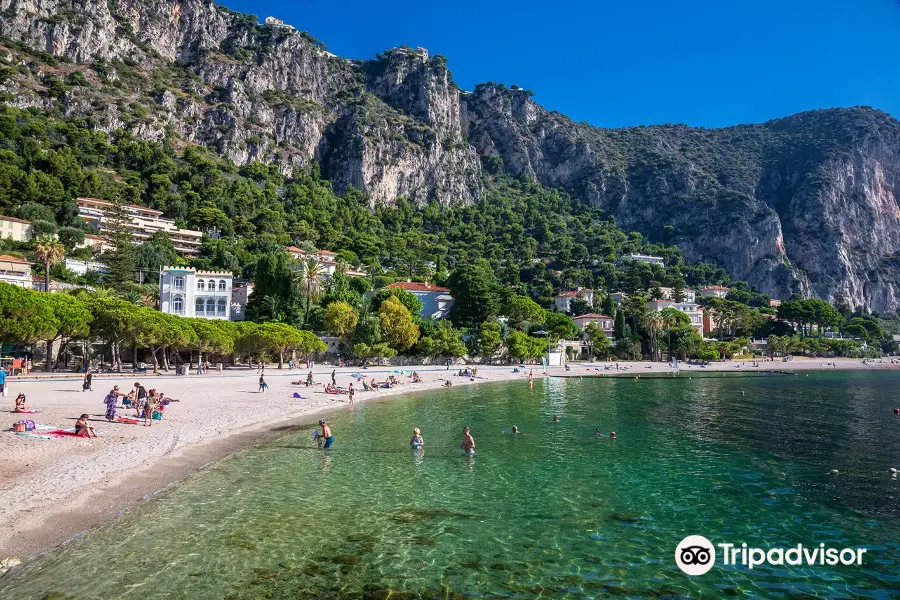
x=148 y=405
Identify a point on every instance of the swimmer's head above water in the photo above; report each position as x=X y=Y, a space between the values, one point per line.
x=515 y=429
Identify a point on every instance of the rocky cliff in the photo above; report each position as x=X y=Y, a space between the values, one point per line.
x=805 y=204
x=202 y=73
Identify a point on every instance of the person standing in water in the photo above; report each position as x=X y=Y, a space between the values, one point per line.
x=351 y=393
x=326 y=433
x=417 y=442
x=468 y=444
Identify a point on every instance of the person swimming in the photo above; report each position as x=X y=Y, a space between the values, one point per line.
x=416 y=442
x=556 y=418
x=612 y=435
x=515 y=430
x=597 y=432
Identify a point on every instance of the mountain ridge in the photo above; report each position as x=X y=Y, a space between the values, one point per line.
x=805 y=204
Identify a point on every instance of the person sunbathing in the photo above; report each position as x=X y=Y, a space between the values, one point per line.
x=83 y=427
x=20 y=404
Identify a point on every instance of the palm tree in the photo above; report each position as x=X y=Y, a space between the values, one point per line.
x=48 y=251
x=272 y=305
x=670 y=319
x=311 y=277
x=653 y=322
x=133 y=297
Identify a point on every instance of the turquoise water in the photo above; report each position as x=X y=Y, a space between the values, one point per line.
x=553 y=513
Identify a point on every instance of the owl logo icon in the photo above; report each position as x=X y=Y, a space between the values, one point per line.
x=695 y=555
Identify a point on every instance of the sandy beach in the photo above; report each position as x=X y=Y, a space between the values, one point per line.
x=52 y=489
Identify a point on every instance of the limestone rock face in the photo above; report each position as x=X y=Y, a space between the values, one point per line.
x=389 y=127
x=806 y=204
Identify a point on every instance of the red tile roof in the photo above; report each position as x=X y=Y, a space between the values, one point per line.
x=592 y=316
x=14 y=219
x=417 y=286
x=15 y=259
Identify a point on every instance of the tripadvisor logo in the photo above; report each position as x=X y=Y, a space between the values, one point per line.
x=696 y=555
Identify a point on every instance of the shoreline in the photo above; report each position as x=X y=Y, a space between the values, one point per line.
x=111 y=484
x=36 y=525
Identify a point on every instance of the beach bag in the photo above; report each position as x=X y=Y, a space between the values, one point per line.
x=29 y=425
x=156 y=415
x=19 y=427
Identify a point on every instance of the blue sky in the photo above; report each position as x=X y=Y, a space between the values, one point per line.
x=632 y=62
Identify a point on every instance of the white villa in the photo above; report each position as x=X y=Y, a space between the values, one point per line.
x=646 y=258
x=187 y=292
x=714 y=291
x=563 y=300
x=436 y=300
x=689 y=294
x=691 y=309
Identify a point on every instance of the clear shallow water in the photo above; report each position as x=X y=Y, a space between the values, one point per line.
x=555 y=512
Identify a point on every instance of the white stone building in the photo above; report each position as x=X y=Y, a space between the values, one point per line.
x=187 y=292
x=563 y=300
x=691 y=309
x=646 y=258
x=714 y=291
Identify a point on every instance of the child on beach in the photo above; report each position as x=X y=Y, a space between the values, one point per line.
x=263 y=386
x=83 y=428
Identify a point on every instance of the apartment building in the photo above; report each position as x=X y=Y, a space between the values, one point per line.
x=143 y=223
x=691 y=309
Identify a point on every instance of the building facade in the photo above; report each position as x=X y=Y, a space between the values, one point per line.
x=240 y=297
x=688 y=294
x=187 y=292
x=143 y=222
x=12 y=228
x=436 y=300
x=645 y=258
x=714 y=291
x=604 y=322
x=83 y=266
x=563 y=301
x=691 y=309
x=15 y=271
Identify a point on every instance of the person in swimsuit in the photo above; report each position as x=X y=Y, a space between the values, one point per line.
x=20 y=404
x=326 y=433
x=468 y=444
x=515 y=430
x=556 y=418
x=416 y=442
x=351 y=393
x=83 y=428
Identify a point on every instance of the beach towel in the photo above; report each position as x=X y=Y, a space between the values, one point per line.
x=26 y=412
x=127 y=420
x=34 y=435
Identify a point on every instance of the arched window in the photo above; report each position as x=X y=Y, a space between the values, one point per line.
x=210 y=307
x=178 y=305
x=179 y=283
x=220 y=307
x=201 y=285
x=198 y=306
x=221 y=285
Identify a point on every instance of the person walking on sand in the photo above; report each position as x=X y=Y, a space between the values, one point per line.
x=468 y=443
x=2 y=381
x=326 y=433
x=309 y=379
x=333 y=381
x=88 y=378
x=263 y=386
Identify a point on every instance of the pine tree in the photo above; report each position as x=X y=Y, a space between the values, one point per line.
x=619 y=325
x=122 y=259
